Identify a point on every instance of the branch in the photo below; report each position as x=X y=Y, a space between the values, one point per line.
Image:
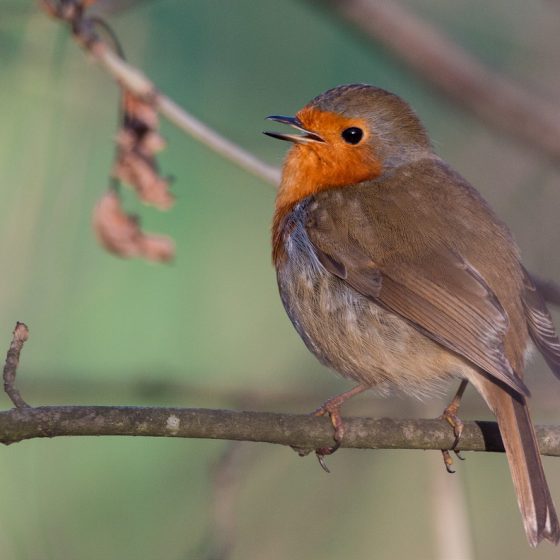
x=496 y=100
x=141 y=86
x=302 y=431
x=20 y=335
x=136 y=82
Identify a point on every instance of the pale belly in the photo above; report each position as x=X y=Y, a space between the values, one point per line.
x=359 y=339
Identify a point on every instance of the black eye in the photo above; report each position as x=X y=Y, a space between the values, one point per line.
x=352 y=135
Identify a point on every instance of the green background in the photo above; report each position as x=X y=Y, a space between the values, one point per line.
x=209 y=329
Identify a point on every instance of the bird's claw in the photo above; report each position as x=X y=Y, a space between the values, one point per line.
x=322 y=452
x=450 y=416
x=332 y=408
x=447 y=461
x=458 y=454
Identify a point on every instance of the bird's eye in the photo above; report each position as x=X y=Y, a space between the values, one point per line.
x=352 y=135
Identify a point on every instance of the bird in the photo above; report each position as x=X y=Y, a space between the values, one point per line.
x=397 y=274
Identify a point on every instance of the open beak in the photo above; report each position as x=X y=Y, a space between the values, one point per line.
x=306 y=137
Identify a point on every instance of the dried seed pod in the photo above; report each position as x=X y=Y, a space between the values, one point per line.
x=121 y=235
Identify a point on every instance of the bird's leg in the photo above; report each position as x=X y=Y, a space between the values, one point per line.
x=332 y=408
x=450 y=416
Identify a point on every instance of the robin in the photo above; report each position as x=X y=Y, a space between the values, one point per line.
x=397 y=274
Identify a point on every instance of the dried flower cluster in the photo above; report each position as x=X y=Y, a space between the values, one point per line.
x=121 y=235
x=138 y=142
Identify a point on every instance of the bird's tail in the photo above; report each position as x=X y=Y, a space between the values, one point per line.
x=537 y=509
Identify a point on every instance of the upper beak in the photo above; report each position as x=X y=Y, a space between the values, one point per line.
x=304 y=138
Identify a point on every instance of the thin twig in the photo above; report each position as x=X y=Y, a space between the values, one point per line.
x=302 y=431
x=20 y=335
x=135 y=81
x=139 y=84
x=497 y=101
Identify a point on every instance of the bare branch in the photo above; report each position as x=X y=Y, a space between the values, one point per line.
x=135 y=81
x=21 y=333
x=496 y=100
x=302 y=431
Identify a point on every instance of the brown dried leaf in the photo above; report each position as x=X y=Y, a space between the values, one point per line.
x=126 y=140
x=138 y=141
x=151 y=143
x=118 y=232
x=140 y=173
x=121 y=235
x=140 y=110
x=156 y=192
x=158 y=248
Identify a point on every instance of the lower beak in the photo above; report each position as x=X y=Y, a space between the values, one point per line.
x=305 y=138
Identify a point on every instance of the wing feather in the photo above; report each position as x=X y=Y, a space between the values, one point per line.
x=541 y=327
x=441 y=294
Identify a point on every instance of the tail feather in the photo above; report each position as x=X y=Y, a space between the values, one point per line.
x=520 y=442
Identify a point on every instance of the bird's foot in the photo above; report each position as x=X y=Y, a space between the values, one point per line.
x=450 y=416
x=332 y=408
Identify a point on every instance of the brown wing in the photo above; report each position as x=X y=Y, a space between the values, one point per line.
x=540 y=325
x=441 y=294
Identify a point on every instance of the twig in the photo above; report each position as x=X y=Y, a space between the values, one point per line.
x=498 y=101
x=21 y=333
x=139 y=84
x=136 y=82
x=303 y=431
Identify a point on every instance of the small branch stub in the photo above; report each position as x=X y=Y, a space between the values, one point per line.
x=21 y=334
x=134 y=81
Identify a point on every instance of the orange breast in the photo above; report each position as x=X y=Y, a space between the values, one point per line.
x=313 y=167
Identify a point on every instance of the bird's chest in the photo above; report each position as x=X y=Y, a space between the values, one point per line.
x=337 y=324
x=320 y=305
x=344 y=329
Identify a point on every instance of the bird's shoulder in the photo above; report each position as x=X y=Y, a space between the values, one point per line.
x=408 y=213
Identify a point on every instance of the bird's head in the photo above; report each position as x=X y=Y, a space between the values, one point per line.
x=347 y=135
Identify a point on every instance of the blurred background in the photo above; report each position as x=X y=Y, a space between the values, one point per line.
x=209 y=329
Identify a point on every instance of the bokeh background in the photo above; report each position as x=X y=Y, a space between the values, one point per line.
x=209 y=329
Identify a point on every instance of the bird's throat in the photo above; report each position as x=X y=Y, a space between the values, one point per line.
x=310 y=169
